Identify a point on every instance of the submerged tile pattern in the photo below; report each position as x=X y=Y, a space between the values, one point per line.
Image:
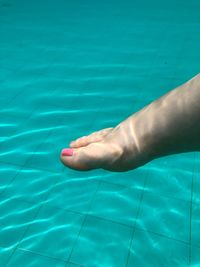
x=69 y=68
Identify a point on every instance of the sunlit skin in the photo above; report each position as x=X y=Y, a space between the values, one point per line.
x=169 y=125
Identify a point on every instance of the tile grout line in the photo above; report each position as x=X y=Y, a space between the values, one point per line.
x=84 y=220
x=28 y=83
x=39 y=254
x=191 y=209
x=88 y=215
x=47 y=136
x=100 y=218
x=38 y=78
x=47 y=170
x=33 y=219
x=35 y=216
x=148 y=192
x=51 y=132
x=136 y=218
x=21 y=167
x=108 y=220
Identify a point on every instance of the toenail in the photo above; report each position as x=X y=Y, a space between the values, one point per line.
x=67 y=152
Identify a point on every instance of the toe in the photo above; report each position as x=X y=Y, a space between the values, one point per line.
x=94 y=137
x=79 y=142
x=86 y=158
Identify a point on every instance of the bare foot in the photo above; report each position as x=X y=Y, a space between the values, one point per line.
x=168 y=125
x=103 y=149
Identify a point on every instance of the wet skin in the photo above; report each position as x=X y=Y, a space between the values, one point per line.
x=169 y=125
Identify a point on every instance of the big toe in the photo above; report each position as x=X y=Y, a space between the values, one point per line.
x=86 y=158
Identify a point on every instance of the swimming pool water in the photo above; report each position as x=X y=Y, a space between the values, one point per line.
x=72 y=67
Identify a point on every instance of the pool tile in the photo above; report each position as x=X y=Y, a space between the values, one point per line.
x=45 y=157
x=116 y=203
x=149 y=249
x=134 y=178
x=196 y=188
x=75 y=100
x=64 y=100
x=47 y=154
x=95 y=175
x=10 y=121
x=6 y=72
x=16 y=216
x=32 y=185
x=195 y=256
x=73 y=194
x=99 y=243
x=52 y=233
x=5 y=253
x=184 y=161
x=170 y=182
x=26 y=74
x=12 y=118
x=7 y=174
x=23 y=143
x=166 y=216
x=195 y=237
x=24 y=258
x=196 y=179
x=45 y=118
x=73 y=265
x=62 y=87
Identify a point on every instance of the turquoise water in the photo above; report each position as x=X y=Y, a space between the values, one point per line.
x=72 y=67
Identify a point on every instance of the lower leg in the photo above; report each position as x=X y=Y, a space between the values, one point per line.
x=171 y=124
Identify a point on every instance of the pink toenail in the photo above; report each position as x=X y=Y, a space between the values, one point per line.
x=67 y=152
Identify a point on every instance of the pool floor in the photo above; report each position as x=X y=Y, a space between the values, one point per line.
x=69 y=68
